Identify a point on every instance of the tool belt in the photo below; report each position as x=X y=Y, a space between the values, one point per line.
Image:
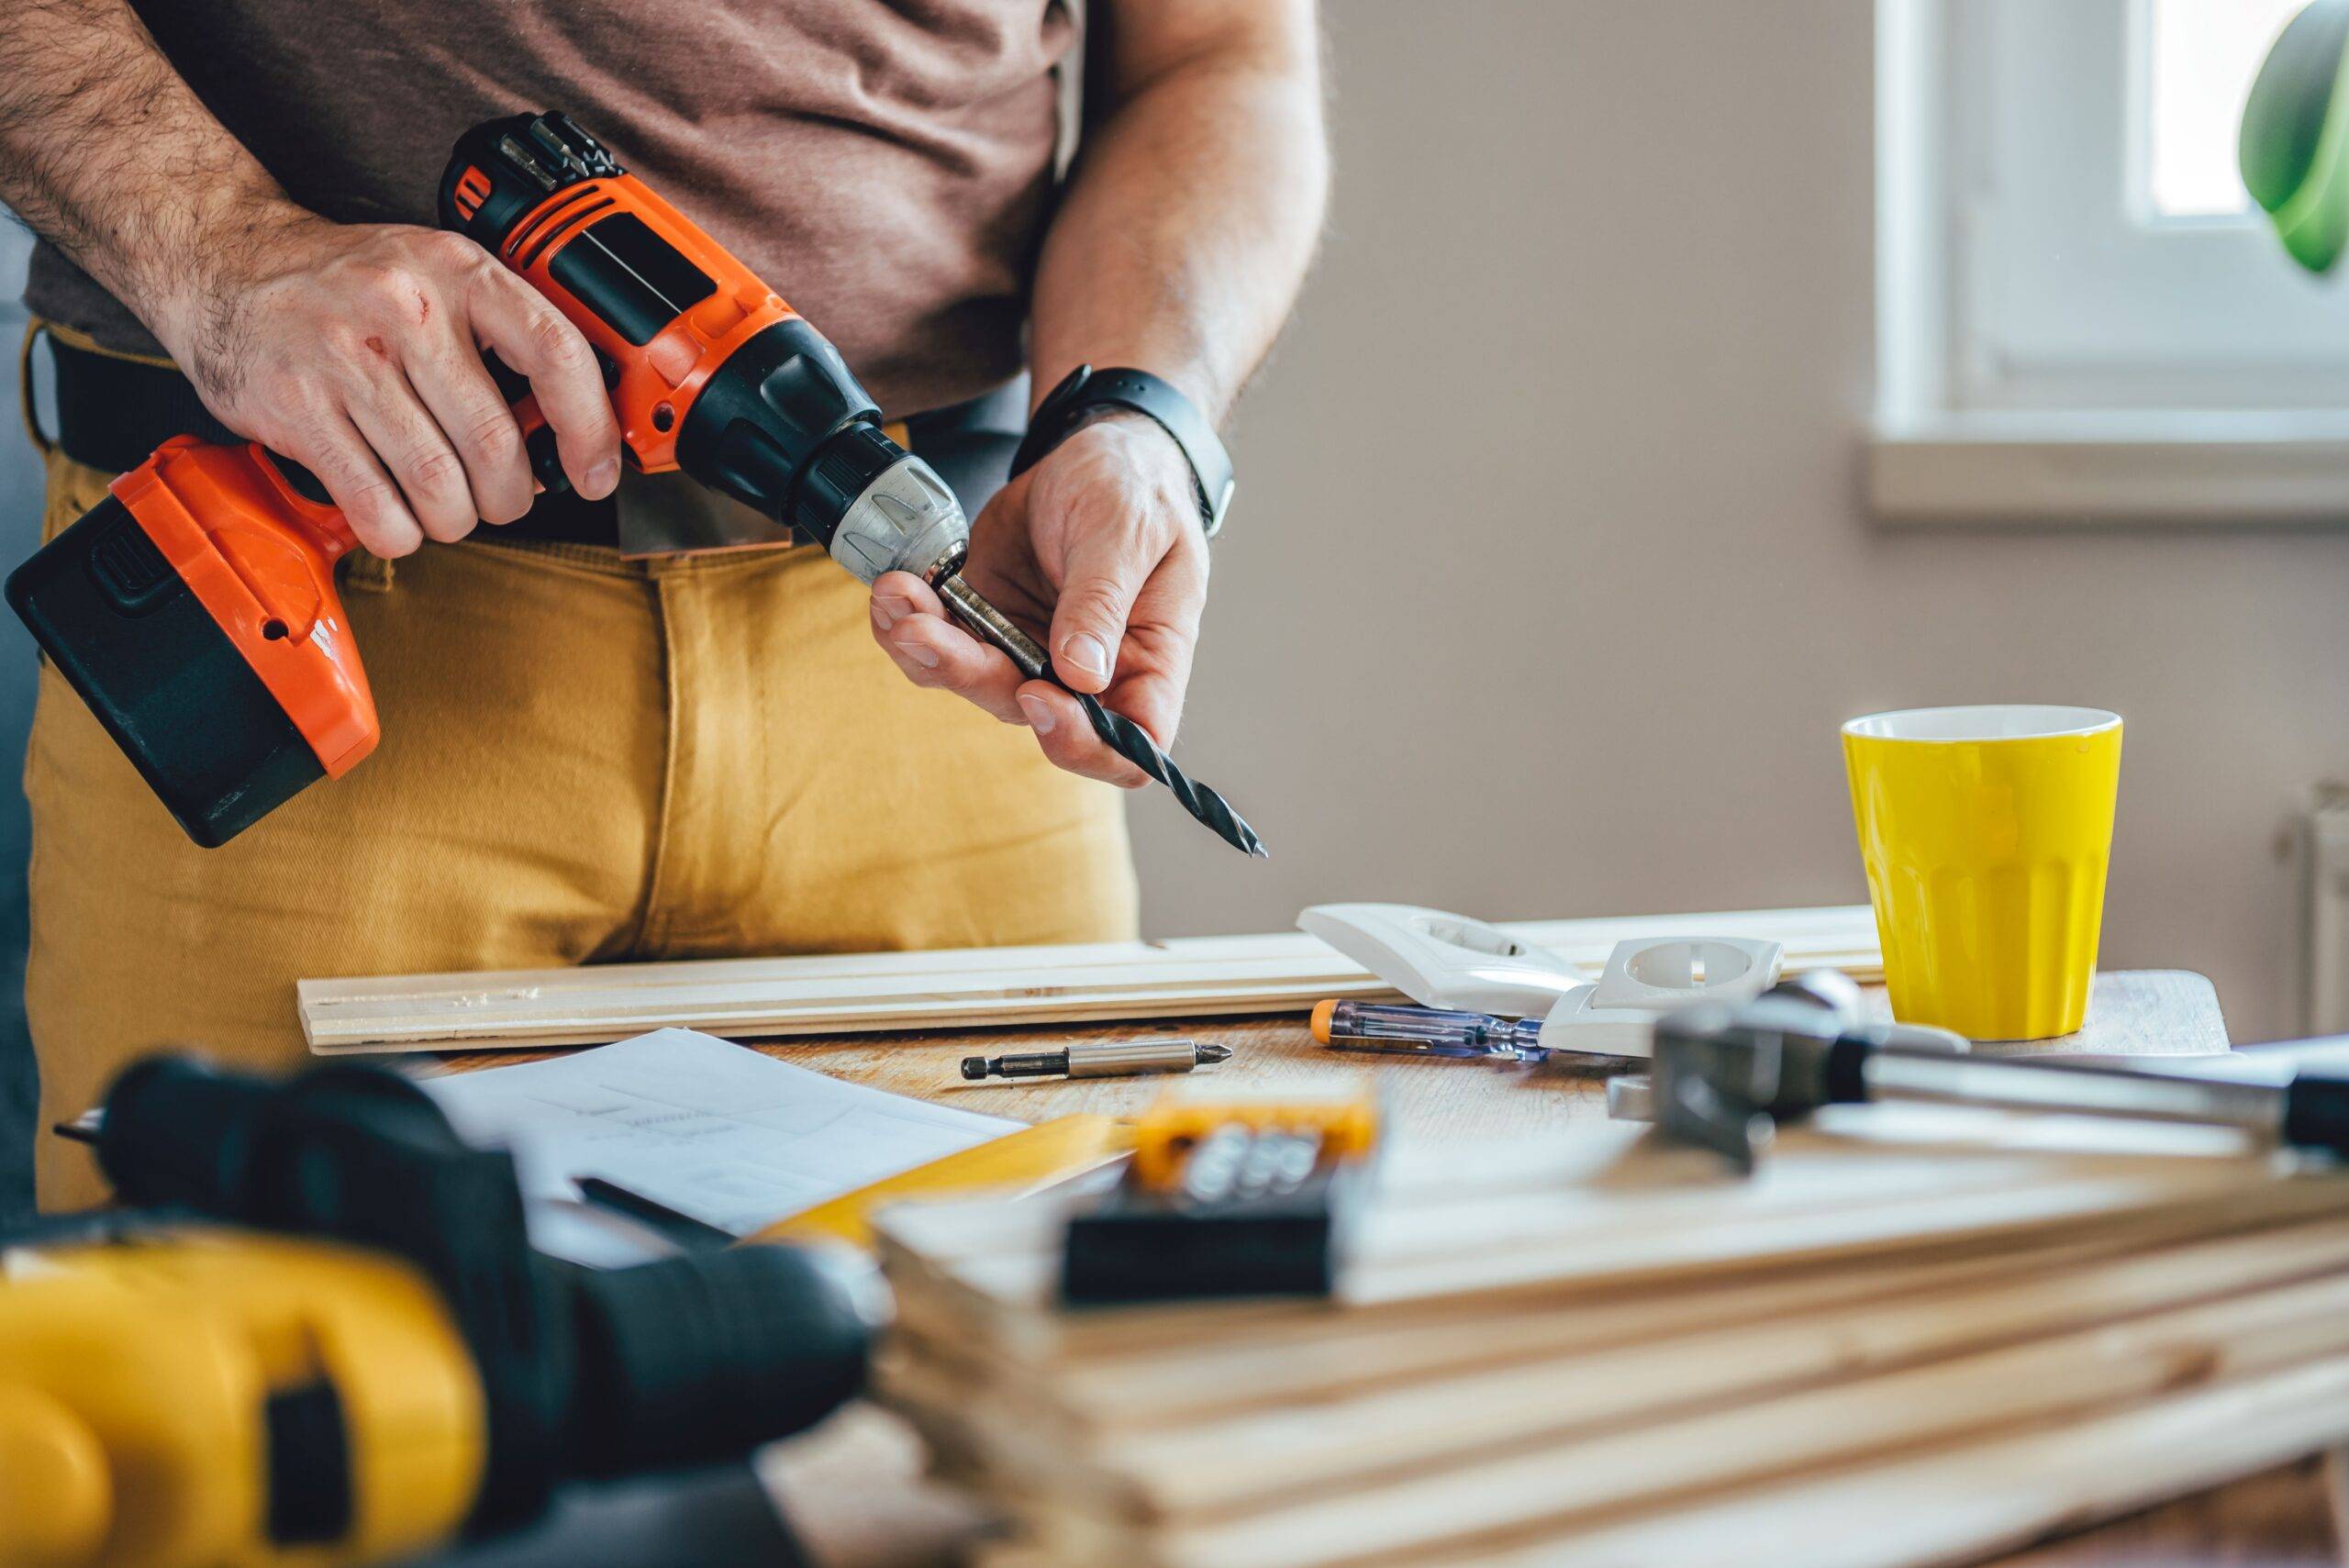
x=113 y=411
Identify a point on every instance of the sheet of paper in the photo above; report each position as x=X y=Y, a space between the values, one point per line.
x=708 y=1127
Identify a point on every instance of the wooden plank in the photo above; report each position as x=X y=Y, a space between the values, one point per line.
x=839 y=992
x=1453 y=1110
x=1817 y=1198
x=1406 y=1428
x=1435 y=1200
x=2050 y=1480
x=1027 y=1343
x=1960 y=1503
x=1546 y=1485
x=857 y=1502
x=2282 y=1516
x=1124 y=1382
x=1331 y=1356
x=2164 y=1012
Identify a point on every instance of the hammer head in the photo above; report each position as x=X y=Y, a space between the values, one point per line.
x=1724 y=1077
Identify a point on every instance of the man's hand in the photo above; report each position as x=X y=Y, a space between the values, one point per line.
x=356 y=351
x=1177 y=245
x=1101 y=543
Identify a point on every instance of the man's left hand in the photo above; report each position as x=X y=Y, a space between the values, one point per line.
x=1099 y=552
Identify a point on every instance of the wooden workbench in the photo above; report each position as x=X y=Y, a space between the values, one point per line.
x=854 y=1489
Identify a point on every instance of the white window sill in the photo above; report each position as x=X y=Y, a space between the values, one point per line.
x=2032 y=469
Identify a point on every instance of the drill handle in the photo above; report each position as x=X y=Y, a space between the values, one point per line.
x=310 y=505
x=538 y=435
x=306 y=503
x=547 y=477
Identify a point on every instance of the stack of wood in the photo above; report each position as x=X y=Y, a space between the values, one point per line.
x=1916 y=1337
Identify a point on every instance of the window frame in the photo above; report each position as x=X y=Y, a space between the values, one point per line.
x=2042 y=355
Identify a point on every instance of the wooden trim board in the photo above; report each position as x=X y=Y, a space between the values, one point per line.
x=959 y=988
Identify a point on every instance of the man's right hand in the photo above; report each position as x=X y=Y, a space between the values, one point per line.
x=355 y=349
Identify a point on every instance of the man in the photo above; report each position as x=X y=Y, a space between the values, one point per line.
x=587 y=757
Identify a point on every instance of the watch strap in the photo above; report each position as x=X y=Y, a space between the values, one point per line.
x=1085 y=390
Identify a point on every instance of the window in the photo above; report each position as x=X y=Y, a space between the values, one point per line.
x=2080 y=313
x=2200 y=57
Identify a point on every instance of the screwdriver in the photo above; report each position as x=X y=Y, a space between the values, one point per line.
x=1117 y=732
x=1110 y=1059
x=1427 y=1031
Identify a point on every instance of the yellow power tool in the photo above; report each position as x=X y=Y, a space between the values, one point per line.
x=202 y=1398
x=328 y=1341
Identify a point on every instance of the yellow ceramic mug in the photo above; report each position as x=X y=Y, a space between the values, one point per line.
x=1987 y=831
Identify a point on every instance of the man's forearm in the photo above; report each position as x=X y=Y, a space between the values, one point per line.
x=1195 y=203
x=353 y=350
x=109 y=154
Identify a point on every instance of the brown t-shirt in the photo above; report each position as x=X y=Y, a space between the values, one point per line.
x=885 y=168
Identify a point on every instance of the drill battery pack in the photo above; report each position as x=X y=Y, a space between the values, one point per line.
x=212 y=651
x=133 y=640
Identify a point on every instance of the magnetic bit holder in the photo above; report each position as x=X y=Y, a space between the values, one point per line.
x=1099 y=1059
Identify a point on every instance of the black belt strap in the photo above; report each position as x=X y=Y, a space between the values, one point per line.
x=112 y=412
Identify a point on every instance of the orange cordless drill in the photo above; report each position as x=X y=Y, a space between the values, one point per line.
x=195 y=611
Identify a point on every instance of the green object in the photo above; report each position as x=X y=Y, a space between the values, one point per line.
x=2296 y=136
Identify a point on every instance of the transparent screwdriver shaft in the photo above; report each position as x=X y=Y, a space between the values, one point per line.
x=1428 y=1031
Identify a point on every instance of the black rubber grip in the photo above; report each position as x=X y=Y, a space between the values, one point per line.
x=546 y=460
x=1843 y=1079
x=2315 y=1114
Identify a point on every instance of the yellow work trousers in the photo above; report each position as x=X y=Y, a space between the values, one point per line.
x=583 y=759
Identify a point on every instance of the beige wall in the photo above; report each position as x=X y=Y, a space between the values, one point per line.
x=1548 y=580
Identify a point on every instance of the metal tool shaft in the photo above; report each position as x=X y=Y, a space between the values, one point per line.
x=1894 y=1073
x=1117 y=732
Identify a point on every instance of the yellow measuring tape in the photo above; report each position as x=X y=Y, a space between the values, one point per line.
x=1032 y=1158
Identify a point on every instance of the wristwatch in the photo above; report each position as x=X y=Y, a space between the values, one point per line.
x=1082 y=391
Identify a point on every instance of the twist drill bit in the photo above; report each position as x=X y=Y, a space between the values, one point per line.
x=1117 y=732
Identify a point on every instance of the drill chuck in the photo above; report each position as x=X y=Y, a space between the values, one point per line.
x=903 y=519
